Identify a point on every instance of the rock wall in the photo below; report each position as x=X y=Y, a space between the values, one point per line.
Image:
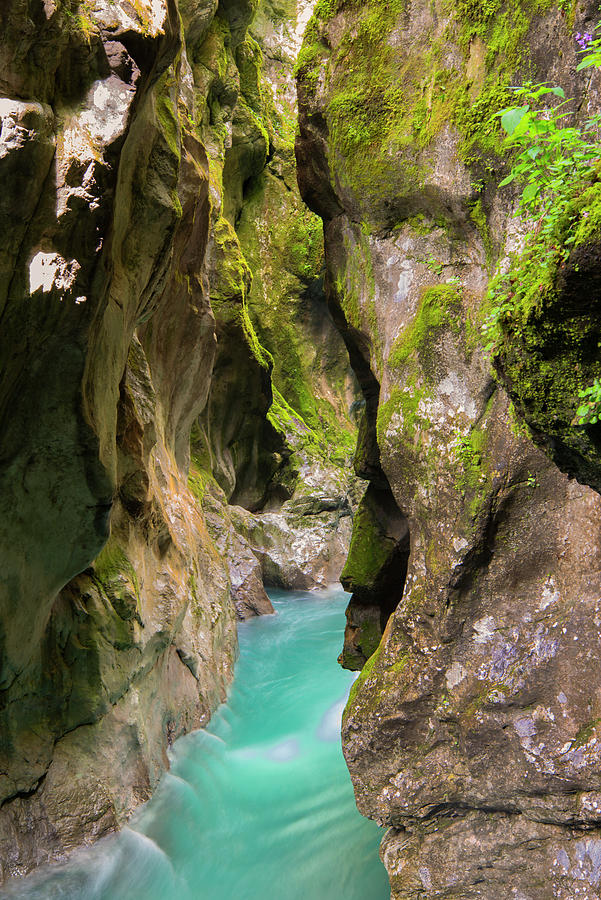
x=290 y=468
x=129 y=135
x=472 y=731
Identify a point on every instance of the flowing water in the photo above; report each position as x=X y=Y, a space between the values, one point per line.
x=258 y=806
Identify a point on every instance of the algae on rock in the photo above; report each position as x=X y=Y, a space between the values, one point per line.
x=468 y=712
x=126 y=163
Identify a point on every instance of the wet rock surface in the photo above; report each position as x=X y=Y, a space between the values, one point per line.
x=472 y=730
x=127 y=137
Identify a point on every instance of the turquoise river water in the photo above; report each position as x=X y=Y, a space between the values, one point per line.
x=258 y=806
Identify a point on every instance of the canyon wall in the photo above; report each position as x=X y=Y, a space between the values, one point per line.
x=131 y=136
x=472 y=731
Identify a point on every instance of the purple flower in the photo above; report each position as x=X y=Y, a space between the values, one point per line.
x=584 y=40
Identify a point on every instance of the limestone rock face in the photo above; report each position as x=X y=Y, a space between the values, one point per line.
x=276 y=435
x=128 y=137
x=472 y=729
x=107 y=348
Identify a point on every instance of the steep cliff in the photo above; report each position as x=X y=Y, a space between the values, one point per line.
x=291 y=468
x=129 y=136
x=472 y=729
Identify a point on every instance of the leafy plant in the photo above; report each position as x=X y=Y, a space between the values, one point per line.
x=553 y=158
x=589 y=411
x=434 y=265
x=557 y=164
x=554 y=162
x=592 y=47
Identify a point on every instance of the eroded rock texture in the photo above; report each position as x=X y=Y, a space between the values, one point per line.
x=472 y=730
x=129 y=136
x=107 y=349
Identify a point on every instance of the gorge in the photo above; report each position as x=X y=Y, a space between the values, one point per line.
x=213 y=297
x=262 y=791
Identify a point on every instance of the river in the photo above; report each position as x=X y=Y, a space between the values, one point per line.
x=257 y=806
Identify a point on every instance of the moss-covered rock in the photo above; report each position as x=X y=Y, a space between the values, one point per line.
x=548 y=333
x=374 y=572
x=398 y=151
x=422 y=88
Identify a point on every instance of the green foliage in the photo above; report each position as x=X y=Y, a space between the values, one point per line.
x=555 y=164
x=589 y=412
x=553 y=159
x=543 y=337
x=592 y=57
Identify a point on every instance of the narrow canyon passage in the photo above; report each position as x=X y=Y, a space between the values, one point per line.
x=257 y=805
x=295 y=293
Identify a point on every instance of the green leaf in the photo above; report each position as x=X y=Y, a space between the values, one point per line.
x=593 y=59
x=512 y=118
x=559 y=92
x=530 y=192
x=508 y=180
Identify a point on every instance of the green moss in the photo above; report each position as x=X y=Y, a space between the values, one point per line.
x=477 y=119
x=329 y=442
x=588 y=229
x=199 y=478
x=405 y=403
x=314 y=48
x=116 y=577
x=477 y=15
x=249 y=61
x=112 y=562
x=369 y=551
x=545 y=346
x=473 y=477
x=166 y=113
x=385 y=103
x=232 y=274
x=283 y=243
x=439 y=310
x=214 y=52
x=386 y=677
x=368 y=638
x=478 y=217
x=275 y=238
x=482 y=698
x=419 y=359
x=366 y=671
x=356 y=290
x=470 y=458
x=83 y=22
x=585 y=733
x=263 y=356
